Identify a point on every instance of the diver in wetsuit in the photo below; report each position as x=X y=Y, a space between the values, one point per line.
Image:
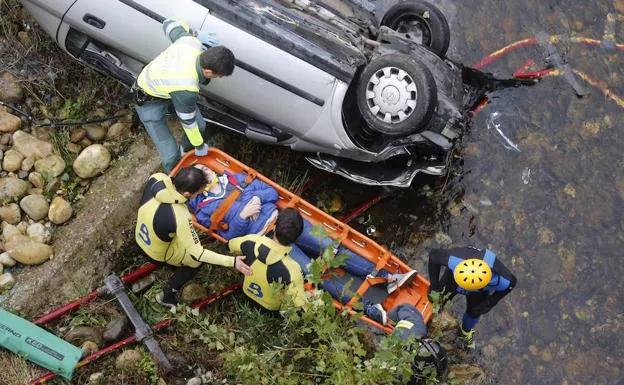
x=478 y=275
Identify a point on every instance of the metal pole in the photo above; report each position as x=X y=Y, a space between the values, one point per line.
x=143 y=331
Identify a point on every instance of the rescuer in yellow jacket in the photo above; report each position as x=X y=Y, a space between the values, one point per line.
x=174 y=77
x=270 y=262
x=165 y=232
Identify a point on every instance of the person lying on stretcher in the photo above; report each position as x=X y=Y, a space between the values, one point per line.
x=255 y=210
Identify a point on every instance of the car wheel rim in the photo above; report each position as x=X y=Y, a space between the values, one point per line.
x=391 y=95
x=415 y=28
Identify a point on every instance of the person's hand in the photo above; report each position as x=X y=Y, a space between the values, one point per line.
x=202 y=150
x=241 y=266
x=251 y=208
x=256 y=200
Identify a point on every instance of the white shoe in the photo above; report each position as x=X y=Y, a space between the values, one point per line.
x=160 y=299
x=398 y=280
x=378 y=313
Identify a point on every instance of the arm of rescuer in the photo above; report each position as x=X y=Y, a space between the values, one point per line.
x=188 y=239
x=295 y=288
x=503 y=271
x=437 y=259
x=184 y=102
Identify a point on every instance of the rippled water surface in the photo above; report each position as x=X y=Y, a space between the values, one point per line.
x=540 y=180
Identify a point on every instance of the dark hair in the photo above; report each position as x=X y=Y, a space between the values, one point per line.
x=190 y=179
x=219 y=59
x=289 y=226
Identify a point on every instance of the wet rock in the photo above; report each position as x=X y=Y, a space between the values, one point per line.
x=81 y=334
x=466 y=374
x=8 y=231
x=178 y=361
x=26 y=251
x=95 y=132
x=443 y=322
x=545 y=236
x=6 y=260
x=39 y=233
x=60 y=211
x=9 y=122
x=22 y=226
x=53 y=185
x=142 y=284
x=30 y=146
x=12 y=161
x=10 y=90
x=7 y=281
x=11 y=213
x=620 y=187
x=35 y=206
x=51 y=166
x=128 y=359
x=28 y=163
x=193 y=292
x=472 y=150
x=115 y=328
x=73 y=148
x=96 y=378
x=489 y=352
x=543 y=328
x=119 y=131
x=24 y=38
x=77 y=134
x=92 y=161
x=619 y=6
x=12 y=188
x=443 y=239
x=85 y=142
x=36 y=179
x=590 y=129
x=89 y=347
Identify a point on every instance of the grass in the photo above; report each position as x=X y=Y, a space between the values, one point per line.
x=14 y=370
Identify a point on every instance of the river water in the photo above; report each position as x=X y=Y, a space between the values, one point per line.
x=540 y=180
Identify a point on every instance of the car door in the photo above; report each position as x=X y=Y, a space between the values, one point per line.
x=125 y=29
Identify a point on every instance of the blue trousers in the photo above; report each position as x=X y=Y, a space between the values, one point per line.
x=309 y=245
x=153 y=114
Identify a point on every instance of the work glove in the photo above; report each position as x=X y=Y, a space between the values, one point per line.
x=251 y=208
x=208 y=39
x=202 y=150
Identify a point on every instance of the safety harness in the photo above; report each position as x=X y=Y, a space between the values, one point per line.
x=216 y=219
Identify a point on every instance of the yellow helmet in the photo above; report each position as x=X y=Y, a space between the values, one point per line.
x=472 y=274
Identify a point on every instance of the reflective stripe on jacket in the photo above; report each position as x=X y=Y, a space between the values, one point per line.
x=164 y=229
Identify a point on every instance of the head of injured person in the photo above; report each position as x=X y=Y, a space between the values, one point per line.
x=190 y=181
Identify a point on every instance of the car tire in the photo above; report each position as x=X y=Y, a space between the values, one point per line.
x=419 y=17
x=396 y=94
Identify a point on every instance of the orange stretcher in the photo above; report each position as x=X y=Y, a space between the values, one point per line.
x=414 y=292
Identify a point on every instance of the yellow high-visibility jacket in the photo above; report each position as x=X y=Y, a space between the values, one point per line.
x=174 y=71
x=270 y=262
x=164 y=229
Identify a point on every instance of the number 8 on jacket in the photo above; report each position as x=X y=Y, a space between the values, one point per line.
x=255 y=289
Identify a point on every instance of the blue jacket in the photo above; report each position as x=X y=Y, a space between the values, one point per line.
x=237 y=226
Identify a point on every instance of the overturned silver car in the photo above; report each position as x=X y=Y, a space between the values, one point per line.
x=370 y=97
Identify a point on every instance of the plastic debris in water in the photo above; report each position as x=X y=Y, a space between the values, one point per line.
x=494 y=123
x=370 y=230
x=526 y=175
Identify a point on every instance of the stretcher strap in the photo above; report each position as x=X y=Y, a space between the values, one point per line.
x=371 y=280
x=217 y=217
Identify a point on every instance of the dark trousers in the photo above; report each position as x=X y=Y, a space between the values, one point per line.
x=180 y=277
